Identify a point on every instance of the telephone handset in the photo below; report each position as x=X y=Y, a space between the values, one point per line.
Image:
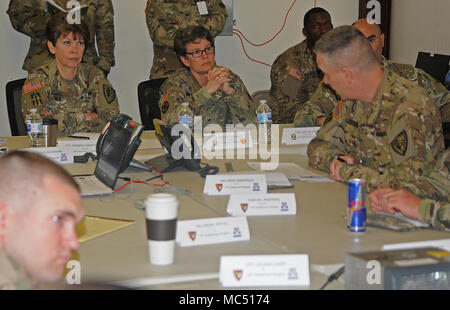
x=180 y=147
x=116 y=146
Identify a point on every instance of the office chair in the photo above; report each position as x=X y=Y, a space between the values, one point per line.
x=436 y=65
x=13 y=101
x=259 y=95
x=148 y=97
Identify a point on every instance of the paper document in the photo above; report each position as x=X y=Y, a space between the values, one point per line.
x=295 y=172
x=440 y=243
x=91 y=186
x=92 y=227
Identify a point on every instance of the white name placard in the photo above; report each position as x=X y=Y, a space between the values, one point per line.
x=212 y=230
x=57 y=154
x=79 y=147
x=264 y=270
x=300 y=135
x=229 y=140
x=265 y=204
x=227 y=184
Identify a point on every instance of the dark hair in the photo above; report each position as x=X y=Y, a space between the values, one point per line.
x=58 y=26
x=311 y=12
x=190 y=35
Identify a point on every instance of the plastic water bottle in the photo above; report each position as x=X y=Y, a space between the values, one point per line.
x=186 y=116
x=35 y=128
x=264 y=118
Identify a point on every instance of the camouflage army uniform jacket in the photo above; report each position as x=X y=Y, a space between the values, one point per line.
x=68 y=101
x=217 y=108
x=163 y=15
x=434 y=189
x=294 y=77
x=12 y=276
x=30 y=18
x=395 y=138
x=324 y=99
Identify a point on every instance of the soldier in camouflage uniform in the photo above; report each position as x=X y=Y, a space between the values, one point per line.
x=294 y=75
x=83 y=102
x=38 y=214
x=213 y=92
x=426 y=200
x=30 y=18
x=324 y=99
x=386 y=131
x=165 y=17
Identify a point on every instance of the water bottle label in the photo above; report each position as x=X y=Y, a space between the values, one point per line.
x=185 y=120
x=264 y=117
x=35 y=127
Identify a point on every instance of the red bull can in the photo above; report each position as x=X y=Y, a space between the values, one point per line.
x=356 y=206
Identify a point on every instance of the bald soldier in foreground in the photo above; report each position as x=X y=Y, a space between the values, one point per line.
x=388 y=130
x=324 y=99
x=40 y=204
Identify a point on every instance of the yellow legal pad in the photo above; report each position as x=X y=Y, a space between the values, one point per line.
x=92 y=227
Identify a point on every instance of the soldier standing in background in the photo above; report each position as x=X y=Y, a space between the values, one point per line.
x=165 y=17
x=31 y=16
x=294 y=75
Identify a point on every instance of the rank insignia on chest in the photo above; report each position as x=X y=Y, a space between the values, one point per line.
x=295 y=73
x=400 y=143
x=109 y=93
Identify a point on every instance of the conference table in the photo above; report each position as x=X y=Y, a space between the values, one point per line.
x=318 y=229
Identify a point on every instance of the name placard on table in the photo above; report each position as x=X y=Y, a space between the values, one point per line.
x=229 y=140
x=299 y=135
x=227 y=184
x=212 y=231
x=264 y=270
x=265 y=204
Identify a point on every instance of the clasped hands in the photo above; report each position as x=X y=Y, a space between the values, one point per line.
x=219 y=79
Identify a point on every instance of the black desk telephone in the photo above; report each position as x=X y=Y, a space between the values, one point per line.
x=116 y=146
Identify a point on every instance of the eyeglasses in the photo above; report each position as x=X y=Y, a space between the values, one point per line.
x=199 y=53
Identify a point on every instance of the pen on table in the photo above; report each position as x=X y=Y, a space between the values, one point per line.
x=79 y=137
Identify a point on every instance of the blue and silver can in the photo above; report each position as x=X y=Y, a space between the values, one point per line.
x=356 y=206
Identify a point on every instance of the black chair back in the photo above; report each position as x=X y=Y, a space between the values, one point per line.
x=14 y=104
x=436 y=65
x=148 y=97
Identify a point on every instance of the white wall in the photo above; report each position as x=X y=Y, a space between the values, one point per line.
x=419 y=25
x=259 y=20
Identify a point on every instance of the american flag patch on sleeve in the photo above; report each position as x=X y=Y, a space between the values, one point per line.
x=33 y=85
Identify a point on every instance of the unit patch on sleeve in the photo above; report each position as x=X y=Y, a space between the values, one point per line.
x=110 y=94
